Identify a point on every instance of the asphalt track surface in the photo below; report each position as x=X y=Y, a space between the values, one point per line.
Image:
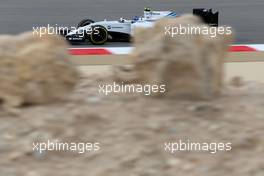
x=245 y=16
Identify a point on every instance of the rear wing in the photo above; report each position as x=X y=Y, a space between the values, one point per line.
x=208 y=16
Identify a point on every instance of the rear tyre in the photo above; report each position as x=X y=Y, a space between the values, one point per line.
x=99 y=35
x=85 y=22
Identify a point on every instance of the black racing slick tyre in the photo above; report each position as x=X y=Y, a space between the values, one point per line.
x=99 y=35
x=85 y=22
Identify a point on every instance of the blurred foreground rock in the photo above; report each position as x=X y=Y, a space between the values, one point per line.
x=189 y=65
x=132 y=131
x=34 y=70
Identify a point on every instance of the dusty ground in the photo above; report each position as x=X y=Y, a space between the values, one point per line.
x=132 y=130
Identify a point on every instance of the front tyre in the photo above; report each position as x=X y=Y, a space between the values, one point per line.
x=99 y=35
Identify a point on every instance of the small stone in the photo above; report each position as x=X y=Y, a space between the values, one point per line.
x=237 y=81
x=174 y=162
x=15 y=155
x=32 y=173
x=188 y=167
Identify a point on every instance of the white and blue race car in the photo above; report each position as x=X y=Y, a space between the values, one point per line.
x=98 y=33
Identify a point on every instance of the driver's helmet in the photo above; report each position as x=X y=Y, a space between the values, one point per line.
x=122 y=20
x=147 y=13
x=147 y=9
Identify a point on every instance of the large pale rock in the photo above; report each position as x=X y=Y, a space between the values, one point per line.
x=191 y=66
x=34 y=70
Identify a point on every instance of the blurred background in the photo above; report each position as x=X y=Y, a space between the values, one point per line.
x=247 y=17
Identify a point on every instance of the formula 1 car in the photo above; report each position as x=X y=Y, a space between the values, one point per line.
x=98 y=33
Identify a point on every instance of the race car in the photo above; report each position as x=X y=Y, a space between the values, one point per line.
x=98 y=33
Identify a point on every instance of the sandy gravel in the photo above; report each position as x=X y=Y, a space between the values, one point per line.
x=132 y=130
